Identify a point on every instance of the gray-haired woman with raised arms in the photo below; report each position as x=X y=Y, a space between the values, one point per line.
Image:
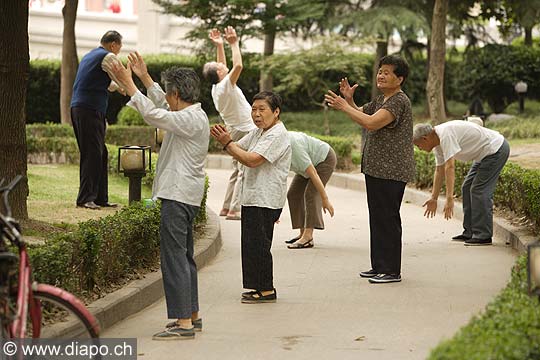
x=179 y=182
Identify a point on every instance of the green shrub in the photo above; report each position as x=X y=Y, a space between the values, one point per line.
x=508 y=329
x=43 y=92
x=491 y=72
x=129 y=116
x=518 y=128
x=104 y=251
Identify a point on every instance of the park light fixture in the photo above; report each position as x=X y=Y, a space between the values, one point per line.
x=134 y=162
x=533 y=268
x=521 y=89
x=159 y=135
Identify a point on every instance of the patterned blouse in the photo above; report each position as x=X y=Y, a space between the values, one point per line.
x=388 y=153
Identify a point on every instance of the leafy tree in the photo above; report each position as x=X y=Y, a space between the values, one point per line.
x=312 y=72
x=435 y=83
x=255 y=18
x=513 y=14
x=378 y=23
x=70 y=61
x=14 y=59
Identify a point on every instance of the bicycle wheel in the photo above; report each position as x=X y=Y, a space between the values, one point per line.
x=62 y=315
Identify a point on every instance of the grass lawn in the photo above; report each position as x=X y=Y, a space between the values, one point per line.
x=53 y=191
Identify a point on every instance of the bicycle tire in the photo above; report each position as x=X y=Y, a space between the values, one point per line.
x=80 y=322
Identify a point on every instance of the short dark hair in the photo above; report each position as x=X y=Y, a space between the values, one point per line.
x=210 y=73
x=111 y=36
x=184 y=82
x=273 y=99
x=401 y=67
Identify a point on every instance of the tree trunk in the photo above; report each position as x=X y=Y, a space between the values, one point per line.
x=70 y=62
x=528 y=35
x=266 y=81
x=14 y=59
x=435 y=83
x=382 y=50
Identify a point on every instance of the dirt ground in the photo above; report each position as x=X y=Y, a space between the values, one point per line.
x=526 y=155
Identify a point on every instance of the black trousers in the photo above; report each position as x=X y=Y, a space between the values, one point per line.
x=89 y=127
x=384 y=202
x=257 y=234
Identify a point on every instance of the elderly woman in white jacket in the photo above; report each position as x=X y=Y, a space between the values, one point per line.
x=179 y=182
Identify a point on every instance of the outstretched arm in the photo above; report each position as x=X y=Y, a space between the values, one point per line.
x=316 y=180
x=232 y=39
x=217 y=40
x=376 y=121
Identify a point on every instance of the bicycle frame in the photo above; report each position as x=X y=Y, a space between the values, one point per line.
x=26 y=303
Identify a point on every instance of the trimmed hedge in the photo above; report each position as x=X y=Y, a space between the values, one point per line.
x=518 y=189
x=130 y=117
x=508 y=329
x=104 y=251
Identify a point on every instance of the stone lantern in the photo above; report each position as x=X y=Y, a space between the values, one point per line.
x=134 y=162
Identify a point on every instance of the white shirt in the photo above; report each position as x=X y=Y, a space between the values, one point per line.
x=266 y=185
x=180 y=172
x=232 y=105
x=465 y=141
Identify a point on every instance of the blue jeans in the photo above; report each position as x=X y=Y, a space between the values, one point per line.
x=478 y=189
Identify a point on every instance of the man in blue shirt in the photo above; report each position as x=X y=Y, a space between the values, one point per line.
x=88 y=108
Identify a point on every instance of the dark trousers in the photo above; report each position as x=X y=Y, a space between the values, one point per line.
x=89 y=127
x=177 y=263
x=257 y=233
x=384 y=202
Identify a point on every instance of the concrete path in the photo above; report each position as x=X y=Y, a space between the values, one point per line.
x=324 y=309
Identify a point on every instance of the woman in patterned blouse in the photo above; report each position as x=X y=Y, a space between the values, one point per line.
x=387 y=161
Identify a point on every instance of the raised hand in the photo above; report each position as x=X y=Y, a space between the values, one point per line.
x=230 y=35
x=124 y=77
x=215 y=36
x=219 y=133
x=346 y=89
x=137 y=64
x=335 y=101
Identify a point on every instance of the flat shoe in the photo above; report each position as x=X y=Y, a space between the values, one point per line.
x=298 y=245
x=108 y=204
x=258 y=297
x=460 y=237
x=293 y=240
x=89 y=205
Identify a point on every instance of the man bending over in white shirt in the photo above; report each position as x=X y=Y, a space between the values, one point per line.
x=233 y=108
x=465 y=141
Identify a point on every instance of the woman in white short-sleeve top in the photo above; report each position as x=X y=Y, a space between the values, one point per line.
x=266 y=154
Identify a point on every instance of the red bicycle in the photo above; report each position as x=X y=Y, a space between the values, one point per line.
x=29 y=309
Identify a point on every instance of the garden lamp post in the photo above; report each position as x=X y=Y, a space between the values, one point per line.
x=521 y=89
x=533 y=268
x=159 y=135
x=132 y=161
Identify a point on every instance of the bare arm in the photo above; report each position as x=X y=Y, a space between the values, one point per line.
x=232 y=39
x=431 y=204
x=316 y=180
x=371 y=122
x=449 y=171
x=217 y=40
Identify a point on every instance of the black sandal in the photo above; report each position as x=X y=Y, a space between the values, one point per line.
x=293 y=240
x=258 y=297
x=298 y=245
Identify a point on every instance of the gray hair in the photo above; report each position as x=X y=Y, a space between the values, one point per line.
x=183 y=82
x=210 y=72
x=421 y=130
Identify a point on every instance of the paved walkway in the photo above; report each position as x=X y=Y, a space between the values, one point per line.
x=324 y=309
